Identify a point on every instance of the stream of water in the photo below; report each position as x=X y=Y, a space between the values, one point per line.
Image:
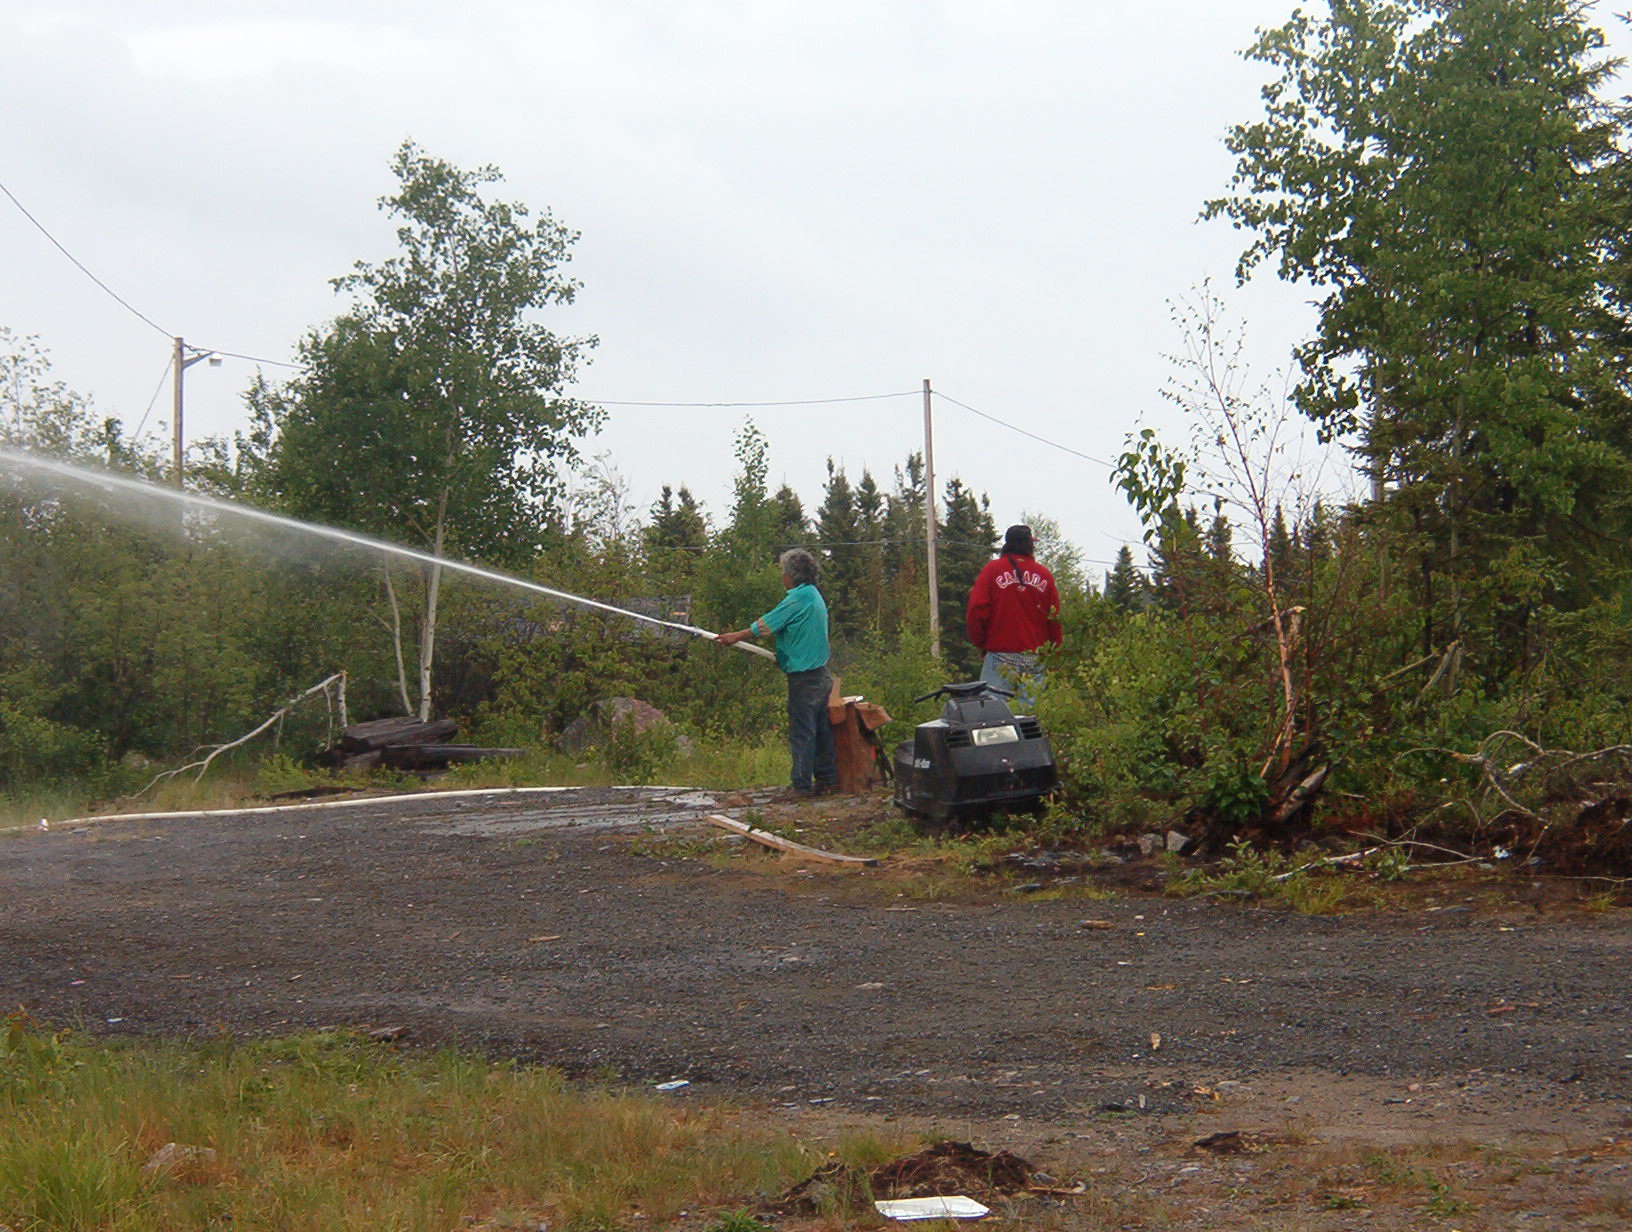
x=121 y=485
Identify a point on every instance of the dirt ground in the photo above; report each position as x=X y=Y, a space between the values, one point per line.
x=1456 y=1063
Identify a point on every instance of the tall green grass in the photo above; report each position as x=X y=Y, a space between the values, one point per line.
x=712 y=762
x=330 y=1131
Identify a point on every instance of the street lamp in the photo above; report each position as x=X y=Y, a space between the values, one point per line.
x=180 y=362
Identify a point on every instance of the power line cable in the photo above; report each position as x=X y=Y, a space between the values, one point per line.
x=123 y=302
x=1022 y=431
x=907 y=393
x=846 y=543
x=254 y=359
x=82 y=268
x=168 y=364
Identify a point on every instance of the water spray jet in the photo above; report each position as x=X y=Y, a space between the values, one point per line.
x=106 y=480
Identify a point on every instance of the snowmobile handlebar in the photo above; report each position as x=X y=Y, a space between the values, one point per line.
x=972 y=689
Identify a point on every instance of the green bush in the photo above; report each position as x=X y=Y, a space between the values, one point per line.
x=634 y=755
x=1236 y=795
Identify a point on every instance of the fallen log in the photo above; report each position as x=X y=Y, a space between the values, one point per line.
x=438 y=756
x=387 y=733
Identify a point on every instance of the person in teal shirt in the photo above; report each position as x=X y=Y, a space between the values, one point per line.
x=799 y=624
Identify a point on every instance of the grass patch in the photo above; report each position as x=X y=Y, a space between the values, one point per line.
x=248 y=780
x=1271 y=876
x=332 y=1131
x=329 y=1131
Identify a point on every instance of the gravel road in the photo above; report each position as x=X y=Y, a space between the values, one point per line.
x=552 y=928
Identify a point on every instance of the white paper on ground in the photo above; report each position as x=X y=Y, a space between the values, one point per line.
x=949 y=1207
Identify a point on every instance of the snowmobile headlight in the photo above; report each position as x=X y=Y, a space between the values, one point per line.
x=1005 y=734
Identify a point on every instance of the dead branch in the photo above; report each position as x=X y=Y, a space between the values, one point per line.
x=1412 y=842
x=1493 y=778
x=1448 y=664
x=1384 y=681
x=216 y=750
x=1354 y=857
x=1296 y=798
x=1614 y=750
x=1268 y=623
x=1383 y=844
x=1492 y=774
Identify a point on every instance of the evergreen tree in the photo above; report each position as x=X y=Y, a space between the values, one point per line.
x=1175 y=564
x=1125 y=586
x=836 y=532
x=870 y=530
x=1282 y=556
x=905 y=585
x=792 y=527
x=1316 y=533
x=675 y=539
x=677 y=522
x=967 y=539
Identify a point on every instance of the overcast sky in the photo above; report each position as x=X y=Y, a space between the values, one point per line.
x=776 y=202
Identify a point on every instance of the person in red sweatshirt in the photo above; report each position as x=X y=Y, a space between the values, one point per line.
x=1014 y=609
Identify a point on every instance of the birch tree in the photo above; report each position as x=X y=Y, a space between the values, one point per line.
x=431 y=410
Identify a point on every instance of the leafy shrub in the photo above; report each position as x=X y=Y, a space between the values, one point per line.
x=32 y=1058
x=1235 y=795
x=33 y=746
x=634 y=755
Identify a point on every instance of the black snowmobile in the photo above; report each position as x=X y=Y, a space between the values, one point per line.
x=978 y=757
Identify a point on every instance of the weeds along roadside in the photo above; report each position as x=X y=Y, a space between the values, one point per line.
x=334 y=1130
x=251 y=778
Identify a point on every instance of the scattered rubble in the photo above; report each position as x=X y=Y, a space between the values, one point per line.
x=944 y=1168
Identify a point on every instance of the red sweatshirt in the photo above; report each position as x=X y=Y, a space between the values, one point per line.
x=1014 y=606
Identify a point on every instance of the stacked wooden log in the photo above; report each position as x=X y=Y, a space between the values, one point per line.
x=405 y=744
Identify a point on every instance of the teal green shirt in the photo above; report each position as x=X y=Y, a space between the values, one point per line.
x=800 y=625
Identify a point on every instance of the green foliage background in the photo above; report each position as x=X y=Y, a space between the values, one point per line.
x=1451 y=178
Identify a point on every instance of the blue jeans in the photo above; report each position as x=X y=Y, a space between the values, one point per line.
x=1021 y=674
x=810 y=735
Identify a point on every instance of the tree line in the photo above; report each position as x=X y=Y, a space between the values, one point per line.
x=1449 y=177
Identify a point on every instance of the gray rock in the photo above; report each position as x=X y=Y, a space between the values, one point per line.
x=1178 y=843
x=173 y=1155
x=590 y=728
x=1150 y=844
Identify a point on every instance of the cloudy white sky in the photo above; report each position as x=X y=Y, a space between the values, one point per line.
x=776 y=202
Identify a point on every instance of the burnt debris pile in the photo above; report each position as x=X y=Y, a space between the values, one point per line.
x=407 y=744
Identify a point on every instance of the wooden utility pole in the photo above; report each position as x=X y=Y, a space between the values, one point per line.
x=178 y=365
x=180 y=361
x=929 y=526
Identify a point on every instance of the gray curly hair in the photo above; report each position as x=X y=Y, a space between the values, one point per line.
x=798 y=566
